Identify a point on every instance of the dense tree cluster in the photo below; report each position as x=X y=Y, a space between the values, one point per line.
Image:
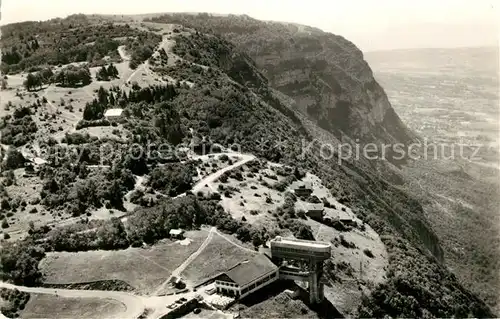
x=142 y=47
x=70 y=186
x=36 y=80
x=173 y=179
x=19 y=128
x=14 y=302
x=107 y=73
x=115 y=97
x=188 y=212
x=19 y=262
x=14 y=159
x=73 y=76
x=109 y=236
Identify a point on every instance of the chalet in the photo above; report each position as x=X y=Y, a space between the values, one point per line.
x=315 y=211
x=113 y=114
x=247 y=277
x=33 y=165
x=302 y=188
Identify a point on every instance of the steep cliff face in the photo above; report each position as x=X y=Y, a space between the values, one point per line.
x=234 y=96
x=323 y=73
x=329 y=80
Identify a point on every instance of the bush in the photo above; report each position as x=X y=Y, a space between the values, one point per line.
x=368 y=252
x=14 y=159
x=15 y=301
x=346 y=243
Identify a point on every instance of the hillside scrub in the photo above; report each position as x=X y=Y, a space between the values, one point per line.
x=19 y=128
x=419 y=288
x=28 y=45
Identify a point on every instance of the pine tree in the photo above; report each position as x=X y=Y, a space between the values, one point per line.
x=85 y=76
x=102 y=74
x=102 y=96
x=112 y=99
x=112 y=71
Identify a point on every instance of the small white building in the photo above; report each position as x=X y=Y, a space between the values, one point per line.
x=113 y=114
x=176 y=233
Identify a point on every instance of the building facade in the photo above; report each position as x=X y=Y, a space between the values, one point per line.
x=302 y=189
x=315 y=211
x=247 y=277
x=314 y=252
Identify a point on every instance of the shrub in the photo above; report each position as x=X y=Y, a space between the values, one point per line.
x=368 y=252
x=346 y=243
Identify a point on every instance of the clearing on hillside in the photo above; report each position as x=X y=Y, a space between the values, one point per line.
x=51 y=306
x=218 y=256
x=142 y=268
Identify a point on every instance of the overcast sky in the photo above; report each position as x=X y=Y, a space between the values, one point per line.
x=370 y=24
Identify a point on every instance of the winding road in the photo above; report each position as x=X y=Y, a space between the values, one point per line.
x=135 y=304
x=245 y=158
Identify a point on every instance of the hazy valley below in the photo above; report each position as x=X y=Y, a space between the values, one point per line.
x=449 y=97
x=445 y=95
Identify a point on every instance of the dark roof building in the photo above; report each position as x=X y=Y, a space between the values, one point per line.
x=302 y=188
x=248 y=276
x=315 y=211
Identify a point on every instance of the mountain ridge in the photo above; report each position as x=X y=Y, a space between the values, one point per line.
x=231 y=102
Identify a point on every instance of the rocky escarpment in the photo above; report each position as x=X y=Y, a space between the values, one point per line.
x=323 y=73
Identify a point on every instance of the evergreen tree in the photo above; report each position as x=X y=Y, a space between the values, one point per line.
x=112 y=99
x=32 y=81
x=102 y=74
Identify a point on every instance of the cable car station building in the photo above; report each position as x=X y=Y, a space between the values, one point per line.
x=250 y=276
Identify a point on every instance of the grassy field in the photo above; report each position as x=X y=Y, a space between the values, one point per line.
x=27 y=189
x=218 y=256
x=142 y=268
x=50 y=306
